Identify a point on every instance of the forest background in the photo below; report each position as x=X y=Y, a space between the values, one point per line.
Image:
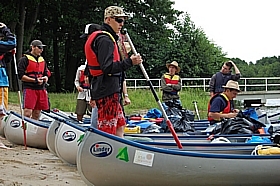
x=160 y=34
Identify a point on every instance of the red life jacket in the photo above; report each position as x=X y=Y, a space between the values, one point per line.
x=226 y=109
x=35 y=68
x=82 y=81
x=91 y=57
x=49 y=73
x=171 y=80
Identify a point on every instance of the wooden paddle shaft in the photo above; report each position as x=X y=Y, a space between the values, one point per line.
x=20 y=103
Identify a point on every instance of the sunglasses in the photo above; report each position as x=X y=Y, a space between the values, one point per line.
x=40 y=47
x=119 y=20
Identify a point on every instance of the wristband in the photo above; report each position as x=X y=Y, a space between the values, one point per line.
x=125 y=95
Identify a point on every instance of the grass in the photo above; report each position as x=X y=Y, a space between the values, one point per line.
x=141 y=101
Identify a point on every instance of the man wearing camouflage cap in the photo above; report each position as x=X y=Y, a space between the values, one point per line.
x=107 y=68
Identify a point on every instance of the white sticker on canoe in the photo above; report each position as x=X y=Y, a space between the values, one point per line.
x=143 y=158
x=32 y=128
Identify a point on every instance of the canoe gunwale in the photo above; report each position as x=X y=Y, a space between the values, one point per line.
x=178 y=152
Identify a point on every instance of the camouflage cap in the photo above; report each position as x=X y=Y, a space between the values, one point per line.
x=114 y=11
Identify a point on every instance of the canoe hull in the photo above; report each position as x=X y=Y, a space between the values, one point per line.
x=50 y=136
x=67 y=141
x=121 y=162
x=35 y=131
x=3 y=122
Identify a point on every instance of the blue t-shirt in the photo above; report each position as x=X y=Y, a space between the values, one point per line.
x=218 y=104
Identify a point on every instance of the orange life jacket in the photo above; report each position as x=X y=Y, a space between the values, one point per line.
x=171 y=80
x=91 y=57
x=226 y=110
x=35 y=69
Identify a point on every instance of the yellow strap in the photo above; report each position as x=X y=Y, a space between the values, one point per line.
x=105 y=32
x=224 y=96
x=168 y=76
x=29 y=57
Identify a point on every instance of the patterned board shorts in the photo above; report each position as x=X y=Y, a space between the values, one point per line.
x=110 y=114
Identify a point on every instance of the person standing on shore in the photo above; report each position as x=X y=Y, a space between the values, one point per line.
x=89 y=29
x=33 y=72
x=221 y=78
x=83 y=98
x=171 y=84
x=105 y=65
x=7 y=46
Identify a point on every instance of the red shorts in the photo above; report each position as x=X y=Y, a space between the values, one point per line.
x=110 y=114
x=35 y=99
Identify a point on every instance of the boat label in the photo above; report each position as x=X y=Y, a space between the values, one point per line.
x=32 y=128
x=69 y=136
x=101 y=149
x=143 y=158
x=15 y=123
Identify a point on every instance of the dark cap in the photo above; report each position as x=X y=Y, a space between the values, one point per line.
x=89 y=29
x=37 y=43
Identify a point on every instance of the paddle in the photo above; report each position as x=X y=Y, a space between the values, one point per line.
x=170 y=126
x=20 y=104
x=196 y=109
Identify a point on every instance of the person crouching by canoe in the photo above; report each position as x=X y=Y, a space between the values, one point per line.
x=220 y=105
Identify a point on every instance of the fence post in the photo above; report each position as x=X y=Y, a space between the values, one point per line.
x=204 y=85
x=245 y=84
x=265 y=84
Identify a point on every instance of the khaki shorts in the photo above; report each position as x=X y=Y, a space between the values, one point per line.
x=82 y=106
x=4 y=100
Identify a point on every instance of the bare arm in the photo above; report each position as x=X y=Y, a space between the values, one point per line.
x=77 y=81
x=125 y=95
x=217 y=115
x=235 y=68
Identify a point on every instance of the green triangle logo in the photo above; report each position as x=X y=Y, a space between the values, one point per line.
x=80 y=139
x=123 y=154
x=5 y=119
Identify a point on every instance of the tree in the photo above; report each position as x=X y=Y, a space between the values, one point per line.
x=197 y=55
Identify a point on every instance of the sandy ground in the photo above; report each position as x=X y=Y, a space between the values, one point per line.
x=34 y=167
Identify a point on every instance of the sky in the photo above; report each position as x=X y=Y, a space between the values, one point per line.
x=245 y=29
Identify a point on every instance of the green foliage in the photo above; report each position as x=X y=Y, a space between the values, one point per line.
x=197 y=55
x=160 y=34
